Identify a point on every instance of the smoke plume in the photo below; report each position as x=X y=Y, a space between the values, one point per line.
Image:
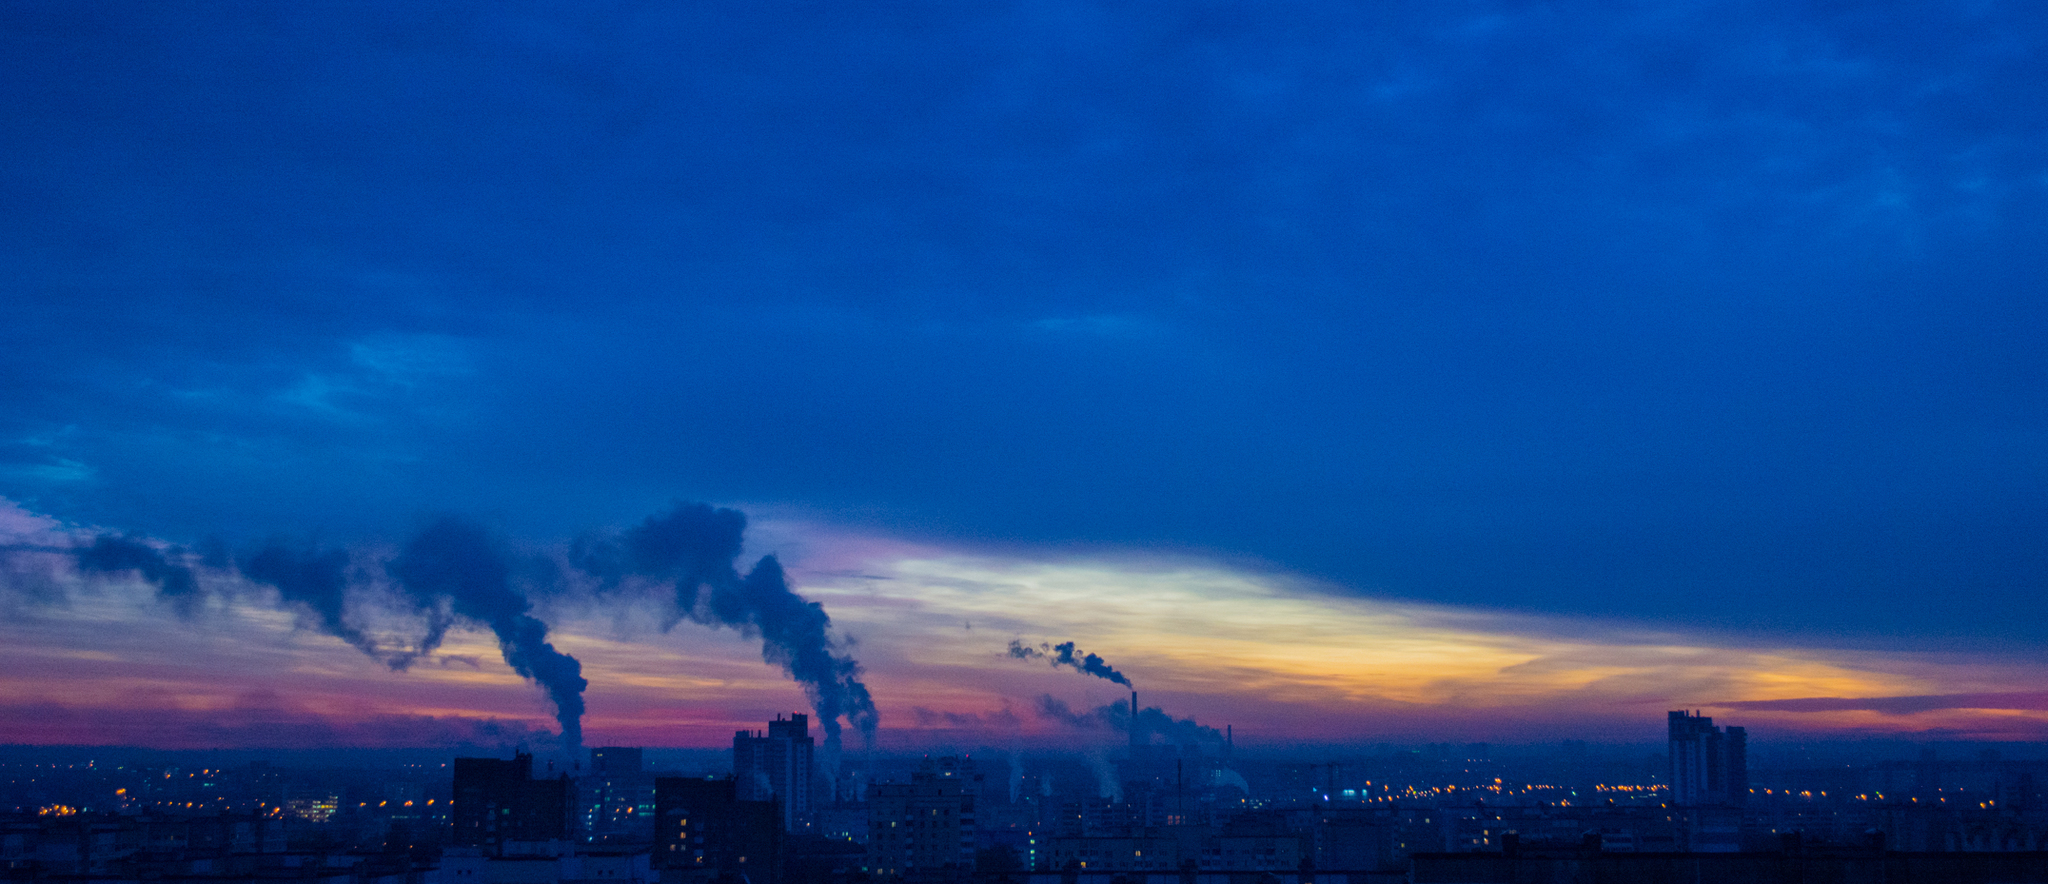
x=1064 y=654
x=1117 y=717
x=449 y=572
x=1107 y=784
x=452 y=572
x=317 y=583
x=1175 y=731
x=693 y=547
x=453 y=568
x=173 y=581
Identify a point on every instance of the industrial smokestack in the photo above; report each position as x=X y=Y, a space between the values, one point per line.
x=1134 y=725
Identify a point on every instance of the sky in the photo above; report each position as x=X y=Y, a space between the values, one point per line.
x=1336 y=371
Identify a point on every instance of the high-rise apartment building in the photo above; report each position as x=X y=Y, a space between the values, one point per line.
x=926 y=827
x=498 y=801
x=776 y=765
x=1709 y=766
x=617 y=797
x=705 y=833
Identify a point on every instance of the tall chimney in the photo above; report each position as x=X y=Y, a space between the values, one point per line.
x=1134 y=725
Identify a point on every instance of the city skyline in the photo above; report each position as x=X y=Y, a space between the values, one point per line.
x=373 y=375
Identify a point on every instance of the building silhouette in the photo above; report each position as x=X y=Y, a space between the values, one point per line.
x=704 y=832
x=925 y=828
x=617 y=797
x=499 y=802
x=775 y=765
x=606 y=760
x=1709 y=767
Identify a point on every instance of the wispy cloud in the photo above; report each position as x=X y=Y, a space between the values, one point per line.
x=256 y=719
x=2028 y=701
x=384 y=375
x=1207 y=635
x=999 y=719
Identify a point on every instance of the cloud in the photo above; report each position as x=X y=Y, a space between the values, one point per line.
x=258 y=719
x=1436 y=327
x=1273 y=653
x=2029 y=701
x=997 y=721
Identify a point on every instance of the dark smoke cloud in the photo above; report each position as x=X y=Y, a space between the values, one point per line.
x=1064 y=654
x=1053 y=708
x=1117 y=716
x=317 y=583
x=453 y=568
x=1174 y=731
x=173 y=581
x=322 y=583
x=694 y=547
x=452 y=572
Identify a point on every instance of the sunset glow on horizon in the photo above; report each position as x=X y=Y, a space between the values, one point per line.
x=1283 y=660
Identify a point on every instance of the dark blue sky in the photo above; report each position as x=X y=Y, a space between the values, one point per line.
x=1729 y=315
